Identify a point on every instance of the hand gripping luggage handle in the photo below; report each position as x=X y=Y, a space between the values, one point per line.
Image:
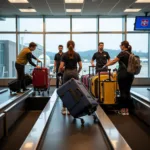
x=39 y=62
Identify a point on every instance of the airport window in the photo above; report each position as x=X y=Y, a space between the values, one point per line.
x=84 y=24
x=139 y=43
x=30 y=24
x=24 y=40
x=130 y=24
x=52 y=42
x=110 y=24
x=7 y=24
x=7 y=51
x=111 y=45
x=57 y=24
x=86 y=46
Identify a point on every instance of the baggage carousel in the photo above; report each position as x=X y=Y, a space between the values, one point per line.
x=35 y=123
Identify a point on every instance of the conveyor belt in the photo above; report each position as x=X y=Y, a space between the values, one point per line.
x=6 y=96
x=63 y=134
x=18 y=133
x=135 y=132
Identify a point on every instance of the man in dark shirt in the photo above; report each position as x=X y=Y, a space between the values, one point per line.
x=57 y=60
x=23 y=58
x=101 y=57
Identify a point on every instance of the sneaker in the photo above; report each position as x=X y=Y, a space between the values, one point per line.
x=127 y=111
x=68 y=113
x=25 y=90
x=63 y=111
x=122 y=112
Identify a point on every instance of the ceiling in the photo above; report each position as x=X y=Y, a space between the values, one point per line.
x=89 y=7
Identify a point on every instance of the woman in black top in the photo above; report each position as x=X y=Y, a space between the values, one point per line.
x=69 y=60
x=125 y=79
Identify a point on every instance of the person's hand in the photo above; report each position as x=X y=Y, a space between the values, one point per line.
x=38 y=60
x=93 y=65
x=38 y=67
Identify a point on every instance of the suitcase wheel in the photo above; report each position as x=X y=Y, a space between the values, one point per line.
x=82 y=122
x=95 y=118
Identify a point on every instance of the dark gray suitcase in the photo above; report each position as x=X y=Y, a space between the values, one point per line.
x=77 y=98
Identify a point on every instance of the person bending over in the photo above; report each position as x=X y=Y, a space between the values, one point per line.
x=70 y=59
x=23 y=58
x=125 y=79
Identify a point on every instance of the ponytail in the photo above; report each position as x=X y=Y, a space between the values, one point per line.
x=70 y=52
x=70 y=46
x=127 y=45
x=130 y=48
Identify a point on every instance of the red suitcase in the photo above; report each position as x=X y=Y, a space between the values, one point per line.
x=41 y=79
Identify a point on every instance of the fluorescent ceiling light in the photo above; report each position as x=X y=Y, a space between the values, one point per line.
x=74 y=1
x=27 y=10
x=142 y=1
x=132 y=10
x=73 y=10
x=18 y=1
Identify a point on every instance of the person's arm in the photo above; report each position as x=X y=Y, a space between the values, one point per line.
x=35 y=58
x=61 y=67
x=112 y=62
x=92 y=60
x=55 y=63
x=29 y=58
x=108 y=58
x=62 y=64
x=80 y=66
x=79 y=63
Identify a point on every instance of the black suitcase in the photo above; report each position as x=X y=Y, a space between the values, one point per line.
x=77 y=99
x=13 y=85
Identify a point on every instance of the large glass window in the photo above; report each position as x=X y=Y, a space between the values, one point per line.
x=84 y=25
x=7 y=24
x=30 y=24
x=110 y=24
x=24 y=40
x=52 y=43
x=130 y=24
x=111 y=45
x=86 y=46
x=58 y=24
x=139 y=43
x=7 y=55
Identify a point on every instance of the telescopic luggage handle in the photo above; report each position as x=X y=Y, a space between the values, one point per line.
x=39 y=62
x=92 y=70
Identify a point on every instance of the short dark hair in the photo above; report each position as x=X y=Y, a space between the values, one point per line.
x=100 y=43
x=60 y=46
x=32 y=44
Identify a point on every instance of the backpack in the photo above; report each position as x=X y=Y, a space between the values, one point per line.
x=134 y=64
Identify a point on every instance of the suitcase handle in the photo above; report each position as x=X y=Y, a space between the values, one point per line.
x=39 y=62
x=74 y=95
x=92 y=70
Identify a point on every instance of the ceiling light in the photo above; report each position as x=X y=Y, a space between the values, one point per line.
x=18 y=1
x=27 y=10
x=142 y=1
x=73 y=10
x=132 y=10
x=74 y=1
